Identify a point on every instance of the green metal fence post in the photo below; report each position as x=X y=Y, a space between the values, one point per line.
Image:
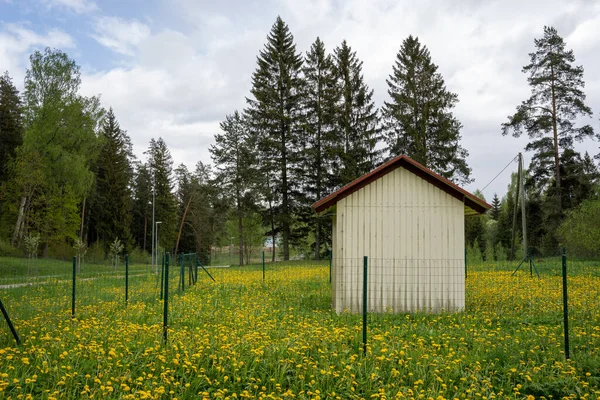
x=263 y=265
x=73 y=289
x=364 y=310
x=162 y=276
x=166 y=303
x=9 y=322
x=126 y=278
x=330 y=260
x=465 y=262
x=182 y=272
x=565 y=303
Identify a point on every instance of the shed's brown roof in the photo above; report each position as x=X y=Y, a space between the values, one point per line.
x=472 y=202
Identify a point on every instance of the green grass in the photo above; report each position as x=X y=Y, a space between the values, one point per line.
x=279 y=338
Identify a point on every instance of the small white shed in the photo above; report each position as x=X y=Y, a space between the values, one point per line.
x=409 y=222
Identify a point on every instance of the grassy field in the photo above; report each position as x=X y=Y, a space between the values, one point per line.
x=242 y=338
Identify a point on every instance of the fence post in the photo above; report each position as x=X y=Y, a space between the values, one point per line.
x=263 y=265
x=364 y=310
x=182 y=272
x=9 y=322
x=73 y=290
x=126 y=278
x=330 y=260
x=166 y=303
x=195 y=268
x=465 y=262
x=565 y=303
x=162 y=275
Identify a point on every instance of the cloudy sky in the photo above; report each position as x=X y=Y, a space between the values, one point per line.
x=175 y=68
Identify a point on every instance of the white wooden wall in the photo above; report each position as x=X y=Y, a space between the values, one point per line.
x=413 y=235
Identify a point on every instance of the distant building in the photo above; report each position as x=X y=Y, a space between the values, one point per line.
x=409 y=222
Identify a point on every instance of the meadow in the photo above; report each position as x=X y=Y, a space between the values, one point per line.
x=240 y=337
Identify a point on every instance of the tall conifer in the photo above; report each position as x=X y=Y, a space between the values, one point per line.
x=275 y=114
x=418 y=117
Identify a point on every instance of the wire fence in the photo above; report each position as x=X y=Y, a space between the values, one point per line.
x=387 y=291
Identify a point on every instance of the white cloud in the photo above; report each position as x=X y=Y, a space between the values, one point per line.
x=120 y=35
x=18 y=41
x=77 y=6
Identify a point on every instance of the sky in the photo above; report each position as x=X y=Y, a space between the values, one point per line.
x=175 y=68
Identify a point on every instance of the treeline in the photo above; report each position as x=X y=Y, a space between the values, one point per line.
x=310 y=126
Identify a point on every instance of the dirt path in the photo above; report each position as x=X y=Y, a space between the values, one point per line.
x=44 y=282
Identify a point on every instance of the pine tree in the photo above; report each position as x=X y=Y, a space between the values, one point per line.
x=141 y=226
x=418 y=118
x=495 y=211
x=234 y=157
x=557 y=100
x=321 y=96
x=275 y=115
x=165 y=204
x=357 y=119
x=112 y=204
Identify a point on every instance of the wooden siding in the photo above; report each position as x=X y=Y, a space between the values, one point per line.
x=413 y=235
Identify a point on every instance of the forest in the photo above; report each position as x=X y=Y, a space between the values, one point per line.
x=69 y=177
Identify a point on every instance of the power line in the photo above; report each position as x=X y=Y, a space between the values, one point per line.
x=499 y=173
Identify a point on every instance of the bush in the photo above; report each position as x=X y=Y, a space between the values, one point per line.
x=138 y=256
x=6 y=250
x=579 y=232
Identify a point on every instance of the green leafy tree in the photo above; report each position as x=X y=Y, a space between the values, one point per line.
x=234 y=158
x=475 y=230
x=165 y=204
x=357 y=119
x=111 y=206
x=59 y=146
x=557 y=100
x=579 y=231
x=275 y=111
x=11 y=124
x=418 y=117
x=321 y=95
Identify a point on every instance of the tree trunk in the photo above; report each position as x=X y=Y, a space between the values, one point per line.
x=82 y=218
x=19 y=225
x=272 y=230
x=187 y=207
x=240 y=234
x=145 y=230
x=556 y=159
x=285 y=225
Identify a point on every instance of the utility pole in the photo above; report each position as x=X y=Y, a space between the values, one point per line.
x=523 y=217
x=157 y=243
x=153 y=225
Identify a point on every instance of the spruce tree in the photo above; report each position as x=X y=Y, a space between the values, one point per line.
x=357 y=119
x=112 y=204
x=165 y=204
x=418 y=117
x=234 y=157
x=275 y=114
x=321 y=96
x=141 y=227
x=495 y=211
x=557 y=100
